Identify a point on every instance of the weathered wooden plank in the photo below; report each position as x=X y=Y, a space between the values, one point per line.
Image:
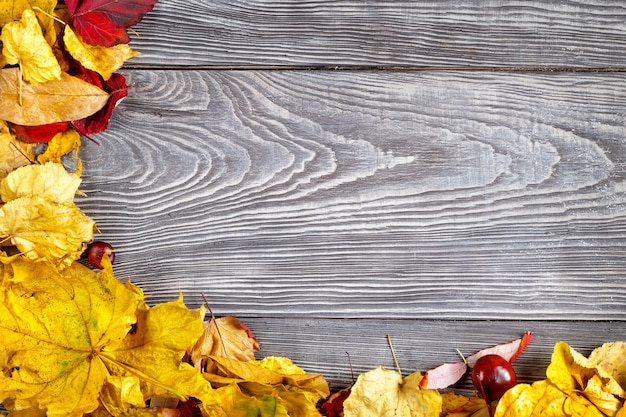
x=375 y=194
x=320 y=346
x=389 y=33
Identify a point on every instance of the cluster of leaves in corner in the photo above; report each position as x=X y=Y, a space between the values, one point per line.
x=58 y=76
x=78 y=342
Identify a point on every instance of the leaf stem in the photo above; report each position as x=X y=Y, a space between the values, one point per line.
x=393 y=353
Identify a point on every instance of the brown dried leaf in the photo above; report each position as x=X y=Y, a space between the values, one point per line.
x=53 y=101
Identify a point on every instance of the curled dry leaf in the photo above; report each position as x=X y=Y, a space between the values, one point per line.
x=66 y=99
x=226 y=337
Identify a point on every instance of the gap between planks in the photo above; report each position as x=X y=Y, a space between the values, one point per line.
x=371 y=68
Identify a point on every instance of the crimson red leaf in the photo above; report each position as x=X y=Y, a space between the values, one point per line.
x=104 y=22
x=333 y=407
x=99 y=121
x=38 y=134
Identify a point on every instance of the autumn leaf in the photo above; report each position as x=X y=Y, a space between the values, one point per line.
x=11 y=10
x=473 y=407
x=448 y=374
x=384 y=393
x=575 y=386
x=101 y=59
x=54 y=101
x=38 y=134
x=99 y=121
x=13 y=153
x=104 y=22
x=39 y=216
x=226 y=337
x=50 y=181
x=24 y=44
x=62 y=144
x=54 y=325
x=611 y=357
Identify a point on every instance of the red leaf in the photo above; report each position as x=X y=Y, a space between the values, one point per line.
x=104 y=22
x=99 y=121
x=189 y=408
x=333 y=407
x=38 y=134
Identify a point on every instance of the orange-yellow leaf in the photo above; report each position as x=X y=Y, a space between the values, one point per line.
x=54 y=101
x=24 y=44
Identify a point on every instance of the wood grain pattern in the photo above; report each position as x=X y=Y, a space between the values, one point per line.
x=320 y=346
x=369 y=195
x=572 y=34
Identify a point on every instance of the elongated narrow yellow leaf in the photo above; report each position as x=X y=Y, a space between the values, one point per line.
x=54 y=101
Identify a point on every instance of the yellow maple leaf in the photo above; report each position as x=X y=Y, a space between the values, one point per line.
x=101 y=59
x=66 y=99
x=384 y=393
x=77 y=341
x=53 y=326
x=60 y=145
x=24 y=44
x=13 y=153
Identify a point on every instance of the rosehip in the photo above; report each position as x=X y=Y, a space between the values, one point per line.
x=95 y=252
x=492 y=376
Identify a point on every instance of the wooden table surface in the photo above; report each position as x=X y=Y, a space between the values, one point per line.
x=447 y=173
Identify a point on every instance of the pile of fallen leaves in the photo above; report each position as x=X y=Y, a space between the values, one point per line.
x=58 y=78
x=78 y=341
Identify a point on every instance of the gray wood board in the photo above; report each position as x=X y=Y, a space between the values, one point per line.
x=574 y=34
x=373 y=194
x=323 y=346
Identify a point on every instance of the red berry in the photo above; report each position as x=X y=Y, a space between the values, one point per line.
x=95 y=252
x=492 y=376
